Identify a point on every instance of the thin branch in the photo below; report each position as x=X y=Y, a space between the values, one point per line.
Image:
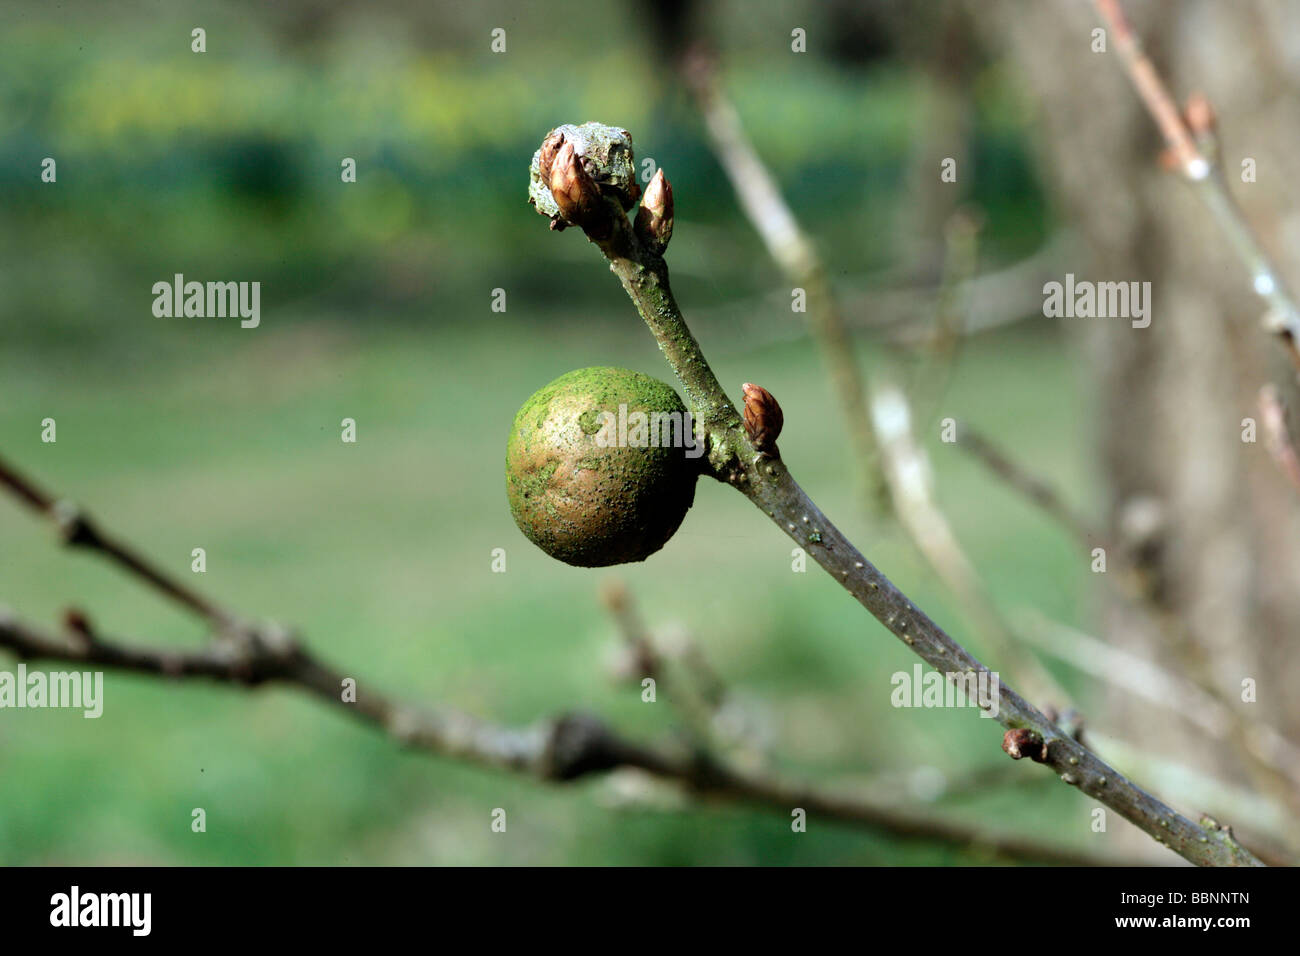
x=648 y=662
x=78 y=531
x=970 y=439
x=896 y=310
x=931 y=378
x=634 y=257
x=649 y=655
x=1199 y=167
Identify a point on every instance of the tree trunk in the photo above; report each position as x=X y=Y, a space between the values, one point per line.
x=1210 y=519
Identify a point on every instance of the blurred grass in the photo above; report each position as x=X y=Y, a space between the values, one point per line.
x=376 y=305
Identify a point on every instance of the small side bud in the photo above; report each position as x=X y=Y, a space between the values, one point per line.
x=654 y=218
x=576 y=193
x=763 y=418
x=1023 y=742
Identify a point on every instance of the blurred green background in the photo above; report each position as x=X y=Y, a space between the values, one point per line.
x=376 y=305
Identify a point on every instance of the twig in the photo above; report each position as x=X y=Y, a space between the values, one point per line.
x=1200 y=168
x=561 y=749
x=969 y=439
x=896 y=311
x=932 y=376
x=78 y=531
x=634 y=257
x=648 y=661
x=649 y=655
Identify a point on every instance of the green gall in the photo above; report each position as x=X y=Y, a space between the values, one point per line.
x=601 y=466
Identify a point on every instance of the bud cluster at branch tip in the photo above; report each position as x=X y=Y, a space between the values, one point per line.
x=654 y=218
x=576 y=170
x=763 y=418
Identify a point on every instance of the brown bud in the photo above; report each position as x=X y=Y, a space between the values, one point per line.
x=1200 y=115
x=1023 y=742
x=576 y=193
x=654 y=218
x=763 y=418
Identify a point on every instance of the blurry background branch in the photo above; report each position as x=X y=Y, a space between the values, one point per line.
x=1277 y=437
x=1191 y=137
x=766 y=209
x=562 y=749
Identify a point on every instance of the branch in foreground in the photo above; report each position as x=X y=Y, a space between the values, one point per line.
x=1199 y=167
x=896 y=454
x=563 y=749
x=764 y=479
